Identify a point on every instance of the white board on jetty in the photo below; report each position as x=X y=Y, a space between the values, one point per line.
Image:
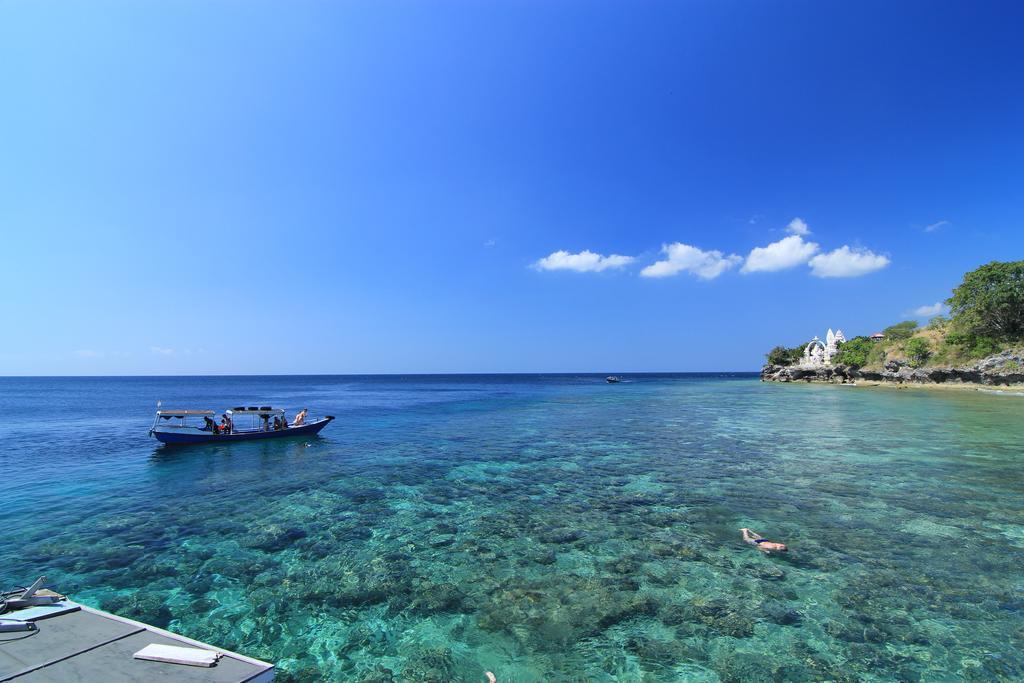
x=172 y=654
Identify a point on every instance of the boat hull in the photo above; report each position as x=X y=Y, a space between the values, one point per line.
x=193 y=436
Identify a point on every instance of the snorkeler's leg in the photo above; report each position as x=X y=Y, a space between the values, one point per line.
x=749 y=536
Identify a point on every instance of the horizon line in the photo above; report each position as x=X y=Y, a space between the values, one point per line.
x=397 y=374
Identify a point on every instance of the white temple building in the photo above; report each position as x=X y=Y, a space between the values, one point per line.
x=821 y=353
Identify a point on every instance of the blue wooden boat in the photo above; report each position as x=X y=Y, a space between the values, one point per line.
x=177 y=427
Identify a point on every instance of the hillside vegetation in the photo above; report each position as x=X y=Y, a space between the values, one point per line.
x=986 y=317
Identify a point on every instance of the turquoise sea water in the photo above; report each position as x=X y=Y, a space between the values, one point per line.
x=543 y=528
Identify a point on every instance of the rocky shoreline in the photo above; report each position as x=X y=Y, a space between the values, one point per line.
x=1002 y=369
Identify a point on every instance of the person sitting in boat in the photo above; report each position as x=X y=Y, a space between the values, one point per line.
x=209 y=425
x=300 y=419
x=266 y=422
x=226 y=424
x=761 y=543
x=277 y=423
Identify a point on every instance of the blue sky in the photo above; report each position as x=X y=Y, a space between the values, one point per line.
x=292 y=187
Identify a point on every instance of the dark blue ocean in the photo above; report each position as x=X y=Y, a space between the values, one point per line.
x=541 y=527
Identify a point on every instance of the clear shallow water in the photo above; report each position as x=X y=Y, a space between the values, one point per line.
x=544 y=528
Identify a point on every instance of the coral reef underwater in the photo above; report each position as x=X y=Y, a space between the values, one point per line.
x=562 y=529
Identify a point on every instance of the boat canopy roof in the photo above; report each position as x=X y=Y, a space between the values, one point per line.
x=265 y=410
x=183 y=413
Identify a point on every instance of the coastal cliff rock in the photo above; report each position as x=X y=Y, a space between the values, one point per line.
x=1002 y=369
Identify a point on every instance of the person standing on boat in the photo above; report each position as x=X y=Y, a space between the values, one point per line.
x=226 y=424
x=300 y=419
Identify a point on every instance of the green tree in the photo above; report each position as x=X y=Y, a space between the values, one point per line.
x=903 y=330
x=778 y=356
x=990 y=301
x=854 y=352
x=918 y=351
x=781 y=355
x=973 y=345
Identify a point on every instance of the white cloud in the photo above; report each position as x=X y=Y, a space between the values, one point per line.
x=786 y=253
x=490 y=243
x=706 y=265
x=584 y=262
x=88 y=353
x=847 y=262
x=797 y=226
x=935 y=226
x=938 y=308
x=160 y=350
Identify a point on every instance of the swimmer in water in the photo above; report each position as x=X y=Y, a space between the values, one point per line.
x=762 y=544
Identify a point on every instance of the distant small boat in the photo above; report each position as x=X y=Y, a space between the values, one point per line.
x=173 y=427
x=612 y=379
